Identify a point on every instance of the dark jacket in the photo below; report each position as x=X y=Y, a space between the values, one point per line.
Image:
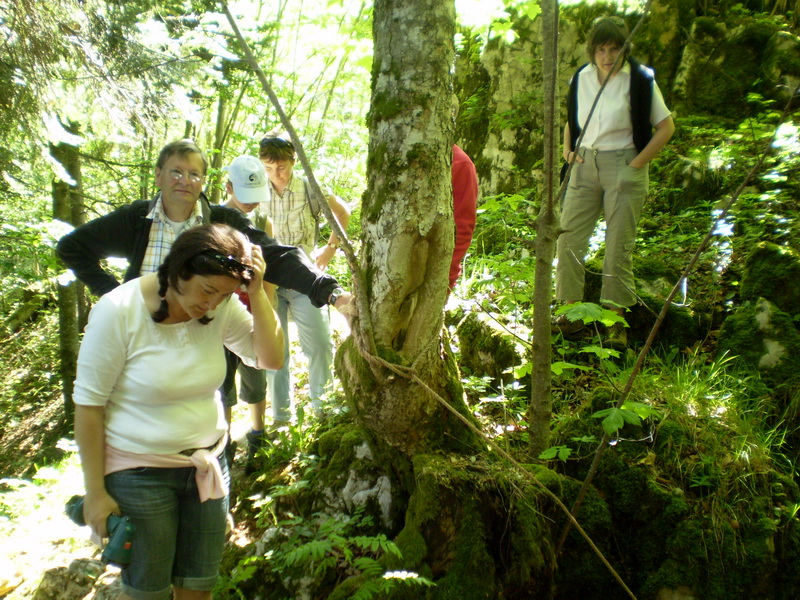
x=125 y=232
x=642 y=78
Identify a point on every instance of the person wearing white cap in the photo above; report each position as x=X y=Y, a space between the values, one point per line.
x=246 y=188
x=247 y=183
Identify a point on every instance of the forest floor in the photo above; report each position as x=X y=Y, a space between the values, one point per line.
x=37 y=536
x=40 y=471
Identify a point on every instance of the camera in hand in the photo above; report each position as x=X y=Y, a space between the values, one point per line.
x=120 y=533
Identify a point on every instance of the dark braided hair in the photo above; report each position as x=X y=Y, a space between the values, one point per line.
x=215 y=249
x=163 y=309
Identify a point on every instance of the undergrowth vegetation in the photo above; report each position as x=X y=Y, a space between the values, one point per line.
x=699 y=480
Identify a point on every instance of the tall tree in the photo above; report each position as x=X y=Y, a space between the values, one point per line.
x=68 y=207
x=407 y=234
x=467 y=516
x=540 y=411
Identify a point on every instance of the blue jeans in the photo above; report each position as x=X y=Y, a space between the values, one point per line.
x=313 y=330
x=177 y=540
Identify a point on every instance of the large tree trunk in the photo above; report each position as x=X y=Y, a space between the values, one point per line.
x=68 y=207
x=408 y=233
x=469 y=523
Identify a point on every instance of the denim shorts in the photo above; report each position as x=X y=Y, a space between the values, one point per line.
x=178 y=540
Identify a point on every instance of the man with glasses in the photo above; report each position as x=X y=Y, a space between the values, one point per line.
x=144 y=231
x=294 y=216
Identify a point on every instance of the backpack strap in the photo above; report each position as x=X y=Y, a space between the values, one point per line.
x=641 y=92
x=572 y=108
x=313 y=201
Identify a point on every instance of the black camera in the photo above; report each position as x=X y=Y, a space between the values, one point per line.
x=120 y=533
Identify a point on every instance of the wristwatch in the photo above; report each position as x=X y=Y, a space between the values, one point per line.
x=335 y=295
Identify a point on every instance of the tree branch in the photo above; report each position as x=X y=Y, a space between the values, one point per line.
x=359 y=297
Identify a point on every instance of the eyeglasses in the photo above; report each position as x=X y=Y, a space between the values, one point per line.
x=278 y=142
x=193 y=177
x=230 y=263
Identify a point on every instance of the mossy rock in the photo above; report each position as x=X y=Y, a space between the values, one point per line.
x=693 y=181
x=581 y=574
x=654 y=280
x=773 y=272
x=487 y=348
x=787 y=549
x=668 y=543
x=593 y=278
x=649 y=268
x=764 y=338
x=475 y=529
x=722 y=65
x=350 y=479
x=680 y=328
x=661 y=44
x=782 y=64
x=718 y=559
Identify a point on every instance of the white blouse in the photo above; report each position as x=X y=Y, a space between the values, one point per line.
x=158 y=382
x=611 y=127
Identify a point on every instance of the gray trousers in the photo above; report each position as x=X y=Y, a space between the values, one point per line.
x=603 y=183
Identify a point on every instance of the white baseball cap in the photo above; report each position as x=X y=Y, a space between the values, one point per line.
x=249 y=180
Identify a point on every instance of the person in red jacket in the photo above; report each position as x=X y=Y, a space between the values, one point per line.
x=465 y=204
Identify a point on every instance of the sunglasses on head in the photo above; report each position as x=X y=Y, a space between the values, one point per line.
x=275 y=141
x=230 y=263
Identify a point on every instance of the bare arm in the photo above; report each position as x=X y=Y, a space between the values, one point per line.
x=90 y=436
x=663 y=133
x=567 y=153
x=567 y=142
x=341 y=212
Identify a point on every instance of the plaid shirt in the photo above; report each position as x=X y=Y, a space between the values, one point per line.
x=162 y=235
x=292 y=221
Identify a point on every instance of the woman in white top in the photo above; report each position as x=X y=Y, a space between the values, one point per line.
x=148 y=420
x=628 y=128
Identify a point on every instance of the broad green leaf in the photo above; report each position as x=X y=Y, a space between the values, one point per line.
x=615 y=418
x=524 y=370
x=560 y=366
x=600 y=352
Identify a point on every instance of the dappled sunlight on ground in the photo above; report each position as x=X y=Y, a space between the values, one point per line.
x=37 y=535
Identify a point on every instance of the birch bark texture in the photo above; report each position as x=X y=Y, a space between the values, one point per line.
x=408 y=230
